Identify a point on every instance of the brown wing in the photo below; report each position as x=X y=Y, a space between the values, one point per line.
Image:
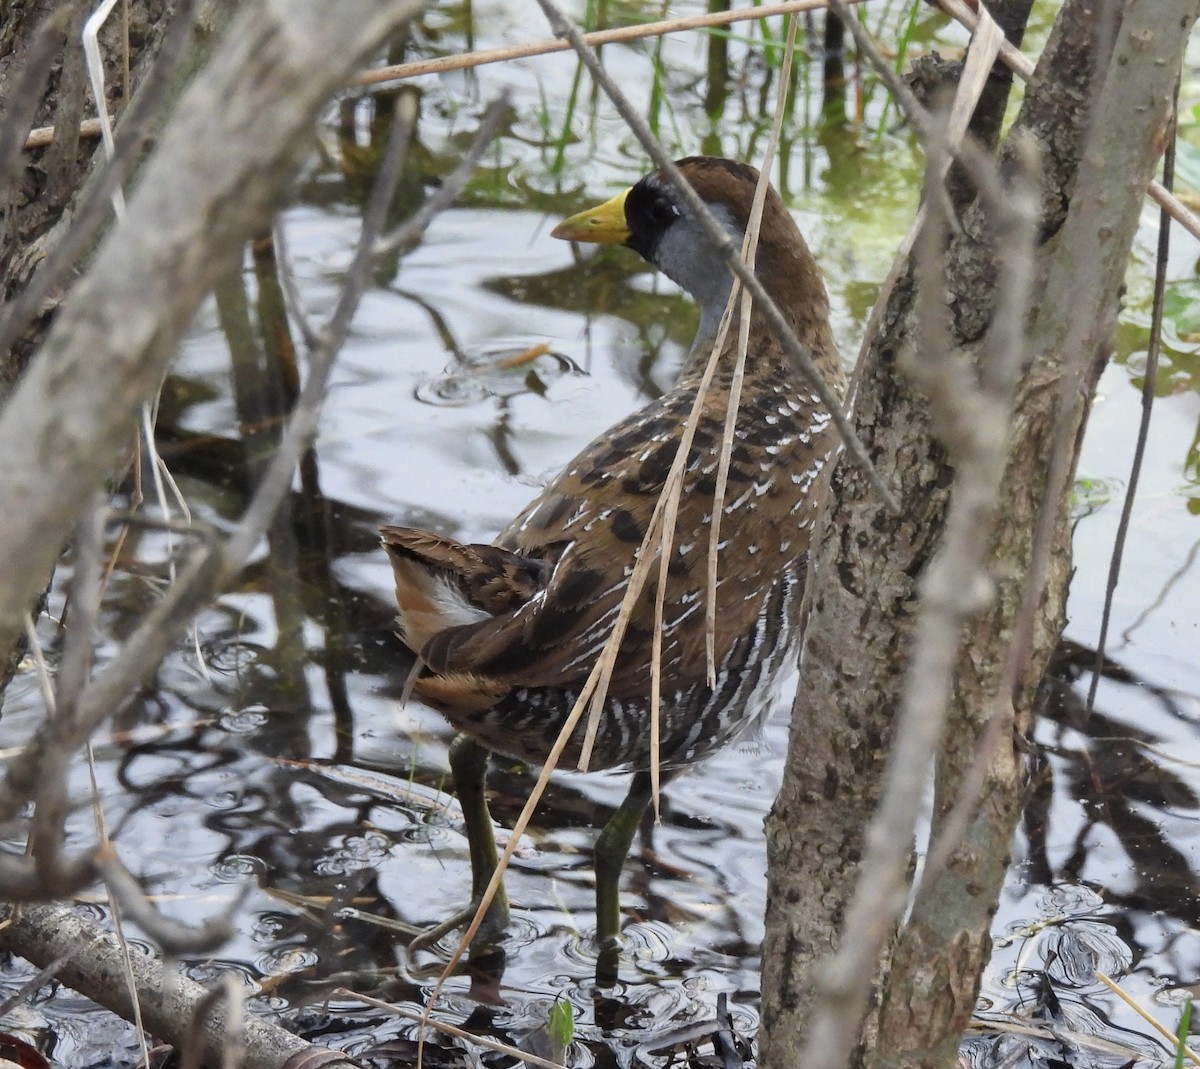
x=587 y=525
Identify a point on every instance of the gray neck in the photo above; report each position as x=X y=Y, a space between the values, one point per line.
x=686 y=257
x=710 y=320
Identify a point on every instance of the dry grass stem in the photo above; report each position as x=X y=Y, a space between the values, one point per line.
x=723 y=244
x=95 y=67
x=1154 y=1023
x=598 y=37
x=451 y=1030
x=749 y=251
x=44 y=135
x=45 y=683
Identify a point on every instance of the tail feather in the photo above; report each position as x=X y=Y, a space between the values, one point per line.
x=442 y=583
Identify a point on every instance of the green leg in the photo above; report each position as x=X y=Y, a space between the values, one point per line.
x=612 y=848
x=468 y=764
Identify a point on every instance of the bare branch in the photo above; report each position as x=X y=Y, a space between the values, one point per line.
x=214 y=564
x=409 y=233
x=85 y=607
x=173 y=937
x=49 y=933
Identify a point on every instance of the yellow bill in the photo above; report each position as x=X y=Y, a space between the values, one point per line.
x=602 y=225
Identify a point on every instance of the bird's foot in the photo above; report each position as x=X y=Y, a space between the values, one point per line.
x=491 y=928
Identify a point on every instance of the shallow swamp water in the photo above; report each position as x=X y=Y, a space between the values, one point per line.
x=274 y=752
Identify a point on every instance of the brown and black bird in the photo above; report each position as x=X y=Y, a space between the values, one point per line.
x=508 y=633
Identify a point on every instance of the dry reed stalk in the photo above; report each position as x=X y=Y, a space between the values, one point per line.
x=42 y=136
x=598 y=37
x=1012 y=57
x=749 y=251
x=451 y=1030
x=1171 y=1037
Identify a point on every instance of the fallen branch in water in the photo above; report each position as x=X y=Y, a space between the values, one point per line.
x=172 y=1006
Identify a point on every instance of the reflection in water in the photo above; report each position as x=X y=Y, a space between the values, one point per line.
x=1106 y=879
x=500 y=370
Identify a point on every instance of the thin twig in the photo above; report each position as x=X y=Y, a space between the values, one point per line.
x=449 y=1029
x=1007 y=330
x=44 y=135
x=302 y=424
x=291 y=292
x=39 y=979
x=1149 y=385
x=1065 y=1039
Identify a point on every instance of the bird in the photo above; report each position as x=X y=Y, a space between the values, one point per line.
x=507 y=633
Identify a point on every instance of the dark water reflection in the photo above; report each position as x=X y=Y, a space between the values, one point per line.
x=289 y=765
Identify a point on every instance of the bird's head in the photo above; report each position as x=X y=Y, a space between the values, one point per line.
x=653 y=219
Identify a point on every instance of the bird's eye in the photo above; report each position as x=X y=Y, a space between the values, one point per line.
x=662 y=212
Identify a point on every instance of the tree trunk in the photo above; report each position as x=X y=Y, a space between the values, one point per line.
x=868 y=562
